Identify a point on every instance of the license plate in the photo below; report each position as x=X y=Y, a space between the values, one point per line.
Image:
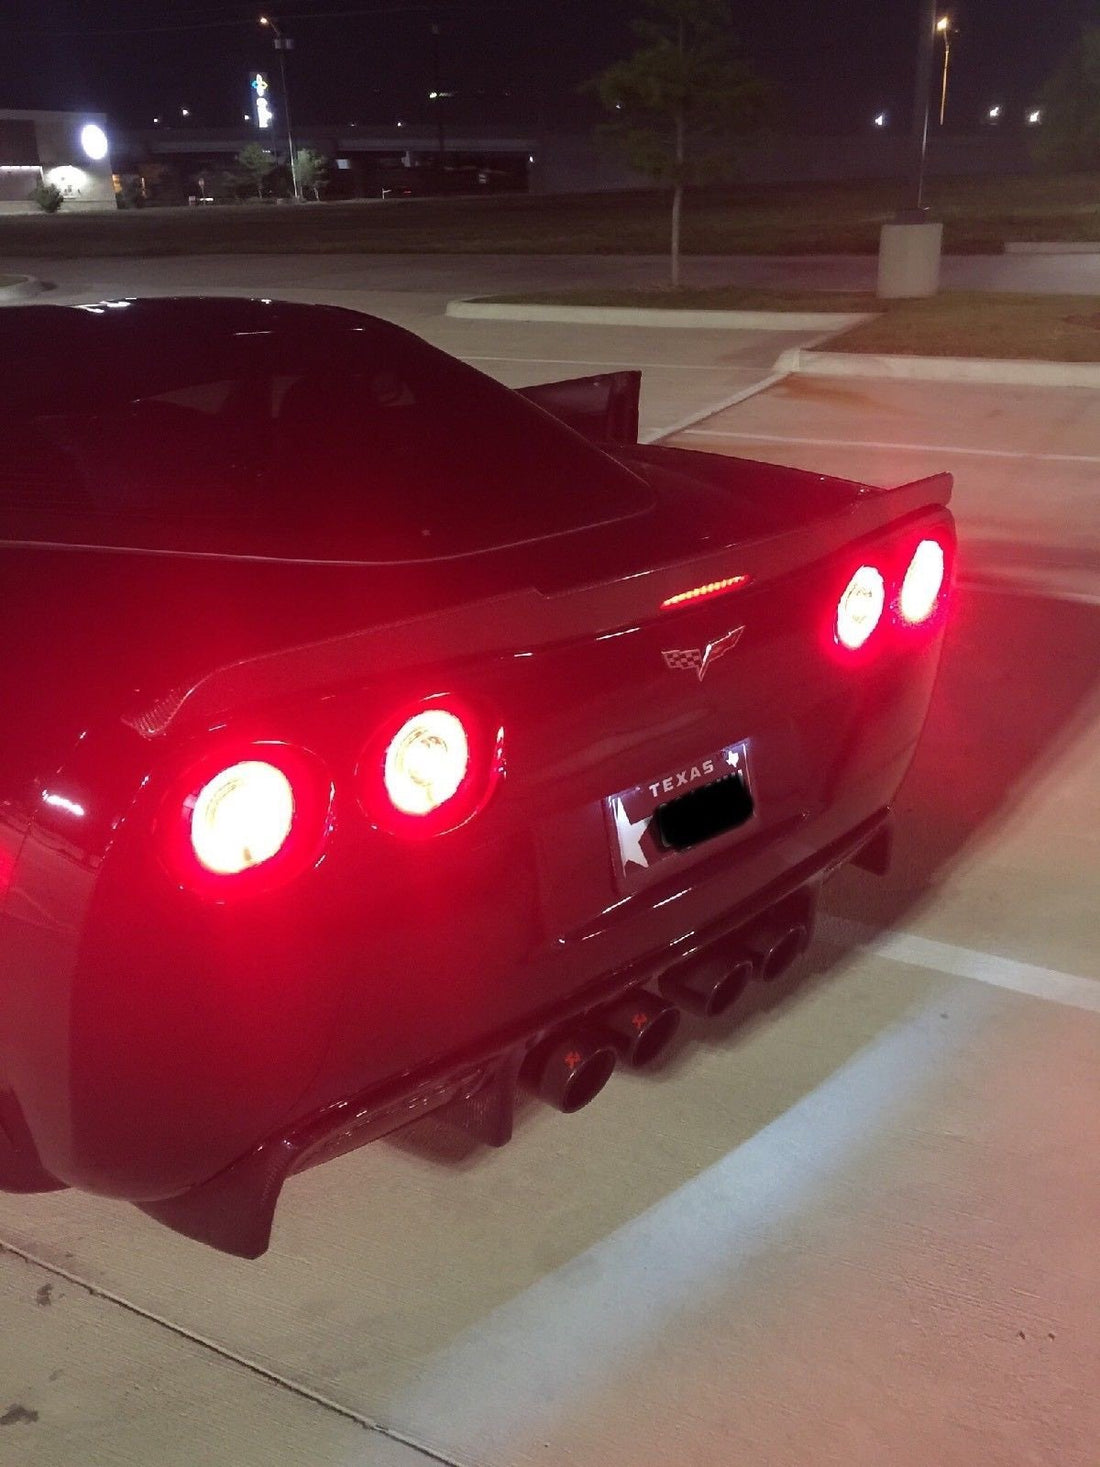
x=653 y=822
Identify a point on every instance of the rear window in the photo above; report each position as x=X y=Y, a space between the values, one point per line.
x=356 y=443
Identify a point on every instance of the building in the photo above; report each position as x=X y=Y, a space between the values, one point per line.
x=68 y=149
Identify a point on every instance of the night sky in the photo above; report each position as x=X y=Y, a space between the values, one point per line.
x=835 y=63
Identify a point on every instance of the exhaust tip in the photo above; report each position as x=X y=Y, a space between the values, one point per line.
x=776 y=949
x=569 y=1072
x=640 y=1025
x=655 y=1038
x=709 y=988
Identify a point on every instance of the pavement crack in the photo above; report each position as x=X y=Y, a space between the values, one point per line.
x=254 y=1367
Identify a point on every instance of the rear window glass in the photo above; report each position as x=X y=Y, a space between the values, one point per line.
x=355 y=443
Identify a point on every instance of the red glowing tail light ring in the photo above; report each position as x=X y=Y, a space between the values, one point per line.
x=302 y=846
x=482 y=741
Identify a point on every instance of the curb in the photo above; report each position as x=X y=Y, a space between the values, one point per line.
x=1053 y=247
x=939 y=369
x=646 y=316
x=21 y=288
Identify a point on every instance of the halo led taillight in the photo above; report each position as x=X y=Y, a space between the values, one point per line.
x=430 y=769
x=247 y=817
x=920 y=589
x=860 y=607
x=426 y=761
x=242 y=817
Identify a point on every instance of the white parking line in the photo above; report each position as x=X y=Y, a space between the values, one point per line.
x=944 y=448
x=655 y=435
x=966 y=962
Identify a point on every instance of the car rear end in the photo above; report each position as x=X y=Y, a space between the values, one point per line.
x=513 y=840
x=522 y=802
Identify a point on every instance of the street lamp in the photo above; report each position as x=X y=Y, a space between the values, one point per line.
x=943 y=28
x=283 y=44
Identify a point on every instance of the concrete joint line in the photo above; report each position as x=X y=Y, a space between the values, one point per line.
x=253 y=1366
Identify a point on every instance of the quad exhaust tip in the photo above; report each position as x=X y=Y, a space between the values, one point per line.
x=774 y=946
x=570 y=1070
x=710 y=986
x=641 y=1026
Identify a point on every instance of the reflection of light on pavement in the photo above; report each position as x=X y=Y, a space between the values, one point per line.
x=532 y=1362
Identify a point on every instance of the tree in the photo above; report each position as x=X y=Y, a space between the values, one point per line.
x=679 y=99
x=257 y=164
x=312 y=171
x=1070 y=101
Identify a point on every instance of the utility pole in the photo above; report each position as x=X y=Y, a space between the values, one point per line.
x=437 y=96
x=283 y=44
x=926 y=38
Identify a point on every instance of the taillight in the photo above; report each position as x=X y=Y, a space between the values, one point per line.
x=426 y=761
x=431 y=768
x=247 y=822
x=923 y=582
x=860 y=607
x=242 y=817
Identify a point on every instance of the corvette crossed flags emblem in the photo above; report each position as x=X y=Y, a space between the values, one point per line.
x=698 y=659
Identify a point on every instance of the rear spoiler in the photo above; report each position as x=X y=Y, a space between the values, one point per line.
x=488 y=627
x=603 y=408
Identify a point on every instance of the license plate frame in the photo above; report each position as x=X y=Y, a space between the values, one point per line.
x=634 y=826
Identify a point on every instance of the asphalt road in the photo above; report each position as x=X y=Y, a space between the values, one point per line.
x=855 y=1223
x=458 y=275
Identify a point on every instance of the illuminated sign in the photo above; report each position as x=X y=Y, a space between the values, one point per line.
x=260 y=87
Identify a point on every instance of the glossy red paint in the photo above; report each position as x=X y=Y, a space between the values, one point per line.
x=184 y=1039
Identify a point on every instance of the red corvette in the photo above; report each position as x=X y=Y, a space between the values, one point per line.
x=376 y=739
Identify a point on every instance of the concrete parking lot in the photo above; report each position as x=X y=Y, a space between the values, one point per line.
x=854 y=1223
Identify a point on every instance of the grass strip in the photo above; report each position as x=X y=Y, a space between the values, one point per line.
x=979 y=215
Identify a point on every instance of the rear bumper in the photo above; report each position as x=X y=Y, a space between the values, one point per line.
x=234 y=1210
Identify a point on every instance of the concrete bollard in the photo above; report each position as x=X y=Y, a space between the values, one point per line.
x=909 y=260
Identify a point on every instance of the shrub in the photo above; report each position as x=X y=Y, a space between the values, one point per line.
x=47 y=196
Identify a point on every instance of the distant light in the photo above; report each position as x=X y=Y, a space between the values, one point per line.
x=185 y=112
x=94 y=141
x=1035 y=116
x=943 y=24
x=881 y=119
x=993 y=113
x=155 y=121
x=530 y=157
x=401 y=124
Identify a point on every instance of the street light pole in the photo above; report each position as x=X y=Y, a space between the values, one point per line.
x=926 y=38
x=437 y=97
x=943 y=28
x=283 y=44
